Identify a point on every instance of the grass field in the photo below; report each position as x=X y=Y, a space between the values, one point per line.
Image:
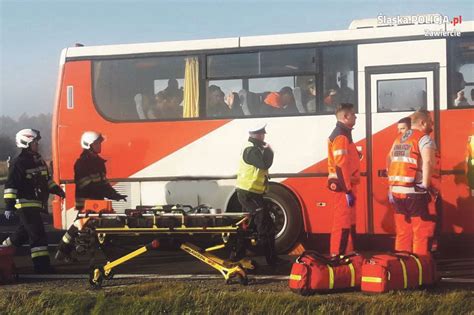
x=213 y=297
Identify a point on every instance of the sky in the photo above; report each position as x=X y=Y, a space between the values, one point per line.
x=33 y=32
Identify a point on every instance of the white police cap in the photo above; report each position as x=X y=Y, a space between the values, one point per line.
x=258 y=128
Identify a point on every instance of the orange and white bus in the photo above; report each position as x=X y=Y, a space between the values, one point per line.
x=171 y=140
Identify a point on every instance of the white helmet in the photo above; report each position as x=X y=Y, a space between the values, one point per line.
x=25 y=136
x=89 y=137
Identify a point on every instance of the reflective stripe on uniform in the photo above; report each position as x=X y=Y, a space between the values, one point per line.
x=403 y=179
x=39 y=251
x=404 y=271
x=351 y=268
x=372 y=279
x=339 y=152
x=66 y=238
x=93 y=178
x=420 y=269
x=405 y=190
x=40 y=254
x=331 y=277
x=10 y=191
x=26 y=203
x=404 y=159
x=41 y=169
x=295 y=277
x=9 y=196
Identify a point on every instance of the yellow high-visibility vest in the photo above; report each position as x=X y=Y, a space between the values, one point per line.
x=251 y=178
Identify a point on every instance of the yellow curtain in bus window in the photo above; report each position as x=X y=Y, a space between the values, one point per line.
x=191 y=88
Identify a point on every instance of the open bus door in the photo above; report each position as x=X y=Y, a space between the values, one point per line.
x=393 y=92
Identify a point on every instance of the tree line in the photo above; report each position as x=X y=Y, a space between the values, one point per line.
x=9 y=127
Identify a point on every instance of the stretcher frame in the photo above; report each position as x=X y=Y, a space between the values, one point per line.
x=229 y=270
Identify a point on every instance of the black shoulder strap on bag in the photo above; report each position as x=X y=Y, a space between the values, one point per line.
x=314 y=254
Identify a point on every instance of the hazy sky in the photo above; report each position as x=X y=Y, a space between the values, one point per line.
x=33 y=32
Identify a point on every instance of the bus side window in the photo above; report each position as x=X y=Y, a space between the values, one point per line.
x=338 y=77
x=461 y=61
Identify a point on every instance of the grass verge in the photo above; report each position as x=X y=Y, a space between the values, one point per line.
x=198 y=297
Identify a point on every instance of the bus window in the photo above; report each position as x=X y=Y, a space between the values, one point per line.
x=160 y=88
x=288 y=75
x=223 y=98
x=461 y=73
x=338 y=77
x=401 y=95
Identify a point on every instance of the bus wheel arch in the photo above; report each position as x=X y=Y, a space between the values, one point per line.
x=285 y=210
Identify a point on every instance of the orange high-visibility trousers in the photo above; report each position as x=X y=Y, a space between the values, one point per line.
x=343 y=224
x=413 y=236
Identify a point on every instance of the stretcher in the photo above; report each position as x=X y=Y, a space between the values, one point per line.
x=183 y=223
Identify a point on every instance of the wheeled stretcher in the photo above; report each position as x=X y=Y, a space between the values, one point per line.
x=183 y=223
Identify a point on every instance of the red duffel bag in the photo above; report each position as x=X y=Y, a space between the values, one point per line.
x=313 y=272
x=386 y=272
x=7 y=265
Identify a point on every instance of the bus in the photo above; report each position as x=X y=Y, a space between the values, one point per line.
x=175 y=117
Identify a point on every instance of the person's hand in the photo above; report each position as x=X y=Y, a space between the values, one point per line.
x=62 y=194
x=420 y=188
x=120 y=197
x=267 y=147
x=229 y=100
x=9 y=214
x=390 y=197
x=350 y=198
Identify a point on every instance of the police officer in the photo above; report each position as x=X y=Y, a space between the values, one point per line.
x=252 y=183
x=26 y=192
x=412 y=161
x=91 y=183
x=344 y=176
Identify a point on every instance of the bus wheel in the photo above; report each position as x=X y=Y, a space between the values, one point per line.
x=286 y=213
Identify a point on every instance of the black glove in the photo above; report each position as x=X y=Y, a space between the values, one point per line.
x=61 y=194
x=119 y=197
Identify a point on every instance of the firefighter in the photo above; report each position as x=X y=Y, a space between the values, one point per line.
x=26 y=193
x=412 y=160
x=344 y=176
x=252 y=183
x=91 y=183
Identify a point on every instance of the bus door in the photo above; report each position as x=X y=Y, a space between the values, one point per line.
x=393 y=92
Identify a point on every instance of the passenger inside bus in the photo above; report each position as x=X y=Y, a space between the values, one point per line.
x=280 y=103
x=233 y=101
x=216 y=105
x=166 y=106
x=341 y=93
x=311 y=97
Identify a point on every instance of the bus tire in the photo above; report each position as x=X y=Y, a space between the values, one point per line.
x=286 y=212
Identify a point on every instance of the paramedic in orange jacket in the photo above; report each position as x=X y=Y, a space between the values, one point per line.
x=412 y=161
x=343 y=167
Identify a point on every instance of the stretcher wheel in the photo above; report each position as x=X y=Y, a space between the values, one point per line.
x=96 y=282
x=109 y=276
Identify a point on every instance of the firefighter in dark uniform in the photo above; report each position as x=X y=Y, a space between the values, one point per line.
x=252 y=183
x=26 y=193
x=91 y=183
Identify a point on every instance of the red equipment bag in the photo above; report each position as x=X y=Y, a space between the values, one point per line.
x=7 y=265
x=386 y=272
x=313 y=272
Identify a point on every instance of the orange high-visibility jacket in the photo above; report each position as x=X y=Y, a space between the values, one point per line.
x=405 y=159
x=343 y=158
